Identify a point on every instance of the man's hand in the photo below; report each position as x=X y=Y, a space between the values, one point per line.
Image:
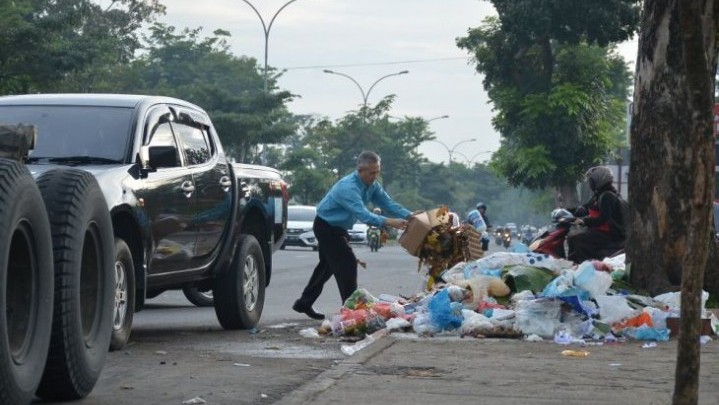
x=396 y=223
x=414 y=213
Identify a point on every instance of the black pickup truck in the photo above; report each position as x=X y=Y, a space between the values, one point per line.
x=183 y=216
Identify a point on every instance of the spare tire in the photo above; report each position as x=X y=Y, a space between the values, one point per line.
x=201 y=298
x=83 y=254
x=26 y=284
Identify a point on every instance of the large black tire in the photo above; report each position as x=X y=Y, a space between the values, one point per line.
x=124 y=308
x=83 y=253
x=239 y=292
x=199 y=298
x=26 y=284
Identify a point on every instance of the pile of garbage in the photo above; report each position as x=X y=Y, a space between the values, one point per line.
x=443 y=244
x=520 y=295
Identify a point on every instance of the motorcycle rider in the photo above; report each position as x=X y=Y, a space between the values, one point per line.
x=604 y=231
x=482 y=208
x=478 y=219
x=374 y=231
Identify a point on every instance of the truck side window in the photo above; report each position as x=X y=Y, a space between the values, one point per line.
x=194 y=141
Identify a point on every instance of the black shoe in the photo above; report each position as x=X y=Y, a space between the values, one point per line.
x=307 y=310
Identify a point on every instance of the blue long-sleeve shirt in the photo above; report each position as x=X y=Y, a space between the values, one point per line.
x=347 y=200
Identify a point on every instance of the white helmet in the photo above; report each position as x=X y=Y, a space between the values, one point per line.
x=561 y=214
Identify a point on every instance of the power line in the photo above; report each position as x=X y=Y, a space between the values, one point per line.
x=375 y=63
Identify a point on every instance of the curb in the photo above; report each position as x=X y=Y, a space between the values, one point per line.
x=308 y=392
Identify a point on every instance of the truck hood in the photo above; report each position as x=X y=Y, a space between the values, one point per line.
x=96 y=170
x=244 y=170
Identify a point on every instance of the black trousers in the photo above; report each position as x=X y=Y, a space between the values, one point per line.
x=586 y=244
x=336 y=259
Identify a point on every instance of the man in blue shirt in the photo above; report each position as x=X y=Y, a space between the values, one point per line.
x=341 y=207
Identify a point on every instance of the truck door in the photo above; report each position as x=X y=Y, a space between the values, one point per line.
x=212 y=180
x=169 y=196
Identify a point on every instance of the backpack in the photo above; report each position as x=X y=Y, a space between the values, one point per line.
x=622 y=208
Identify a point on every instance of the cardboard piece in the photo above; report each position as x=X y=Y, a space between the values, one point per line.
x=474 y=244
x=418 y=227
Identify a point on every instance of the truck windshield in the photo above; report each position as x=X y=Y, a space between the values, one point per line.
x=62 y=131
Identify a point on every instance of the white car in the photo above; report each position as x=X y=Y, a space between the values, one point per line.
x=299 y=226
x=358 y=233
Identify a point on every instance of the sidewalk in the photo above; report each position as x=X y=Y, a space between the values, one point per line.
x=404 y=369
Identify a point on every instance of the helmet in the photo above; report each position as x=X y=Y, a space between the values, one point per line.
x=598 y=177
x=481 y=205
x=560 y=214
x=377 y=211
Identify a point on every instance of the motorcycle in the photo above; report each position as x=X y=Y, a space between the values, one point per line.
x=374 y=238
x=498 y=236
x=554 y=242
x=551 y=242
x=506 y=237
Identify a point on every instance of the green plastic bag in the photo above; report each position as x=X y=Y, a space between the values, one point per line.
x=521 y=278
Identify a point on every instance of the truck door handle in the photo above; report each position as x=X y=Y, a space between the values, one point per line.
x=225 y=183
x=187 y=188
x=244 y=190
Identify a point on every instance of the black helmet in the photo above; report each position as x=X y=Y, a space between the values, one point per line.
x=481 y=205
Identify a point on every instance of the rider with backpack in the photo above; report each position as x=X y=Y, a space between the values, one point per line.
x=603 y=217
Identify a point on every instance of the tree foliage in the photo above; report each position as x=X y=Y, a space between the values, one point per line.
x=204 y=71
x=558 y=90
x=56 y=45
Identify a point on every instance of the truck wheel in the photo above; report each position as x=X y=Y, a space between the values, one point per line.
x=83 y=252
x=26 y=284
x=124 y=296
x=197 y=297
x=239 y=292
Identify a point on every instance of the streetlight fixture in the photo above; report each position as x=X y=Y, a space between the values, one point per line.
x=453 y=148
x=266 y=29
x=437 y=118
x=471 y=160
x=365 y=96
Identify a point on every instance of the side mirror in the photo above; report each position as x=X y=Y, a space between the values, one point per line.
x=163 y=156
x=155 y=157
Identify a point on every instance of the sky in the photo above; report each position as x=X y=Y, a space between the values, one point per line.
x=366 y=40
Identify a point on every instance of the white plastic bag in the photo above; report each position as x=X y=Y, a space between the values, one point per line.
x=539 y=316
x=614 y=308
x=591 y=280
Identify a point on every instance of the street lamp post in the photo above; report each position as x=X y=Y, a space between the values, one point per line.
x=451 y=150
x=266 y=29
x=365 y=96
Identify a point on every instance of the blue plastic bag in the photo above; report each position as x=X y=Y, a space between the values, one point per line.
x=443 y=314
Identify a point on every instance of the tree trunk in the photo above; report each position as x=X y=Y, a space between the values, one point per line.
x=672 y=179
x=566 y=196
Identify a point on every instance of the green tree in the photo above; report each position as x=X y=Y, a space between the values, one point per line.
x=558 y=90
x=61 y=45
x=205 y=72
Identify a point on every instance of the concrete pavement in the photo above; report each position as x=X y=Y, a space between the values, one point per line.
x=405 y=369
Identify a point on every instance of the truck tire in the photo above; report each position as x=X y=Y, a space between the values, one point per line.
x=124 y=296
x=83 y=252
x=197 y=297
x=239 y=292
x=26 y=284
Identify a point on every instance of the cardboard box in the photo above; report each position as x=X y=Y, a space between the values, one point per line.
x=673 y=326
x=418 y=227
